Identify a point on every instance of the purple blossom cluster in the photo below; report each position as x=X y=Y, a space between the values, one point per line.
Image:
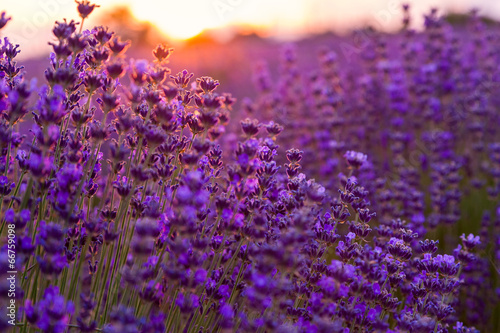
x=133 y=214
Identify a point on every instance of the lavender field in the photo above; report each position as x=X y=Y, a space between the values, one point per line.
x=339 y=184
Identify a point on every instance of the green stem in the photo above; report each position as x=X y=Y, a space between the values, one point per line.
x=7 y=160
x=16 y=190
x=81 y=26
x=27 y=194
x=171 y=312
x=73 y=286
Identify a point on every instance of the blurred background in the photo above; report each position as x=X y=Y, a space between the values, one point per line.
x=226 y=39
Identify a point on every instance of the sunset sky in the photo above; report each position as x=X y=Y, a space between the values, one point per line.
x=181 y=19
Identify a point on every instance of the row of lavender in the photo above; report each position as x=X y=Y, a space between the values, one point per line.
x=122 y=210
x=425 y=107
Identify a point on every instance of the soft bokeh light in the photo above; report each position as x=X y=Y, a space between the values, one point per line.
x=285 y=19
x=180 y=19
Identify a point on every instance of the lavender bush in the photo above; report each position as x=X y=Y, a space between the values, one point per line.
x=123 y=208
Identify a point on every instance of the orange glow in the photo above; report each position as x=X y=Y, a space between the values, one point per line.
x=188 y=18
x=179 y=19
x=182 y=19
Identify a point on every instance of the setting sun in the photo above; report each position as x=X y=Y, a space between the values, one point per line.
x=186 y=19
x=180 y=20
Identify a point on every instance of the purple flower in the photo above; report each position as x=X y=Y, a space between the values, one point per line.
x=332 y=288
x=187 y=303
x=155 y=324
x=122 y=319
x=162 y=53
x=85 y=8
x=460 y=328
x=4 y=19
x=447 y=264
x=428 y=263
x=227 y=313
x=51 y=313
x=207 y=84
x=399 y=249
x=200 y=276
x=470 y=241
x=5 y=186
x=355 y=159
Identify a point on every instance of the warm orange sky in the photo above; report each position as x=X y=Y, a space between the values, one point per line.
x=32 y=19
